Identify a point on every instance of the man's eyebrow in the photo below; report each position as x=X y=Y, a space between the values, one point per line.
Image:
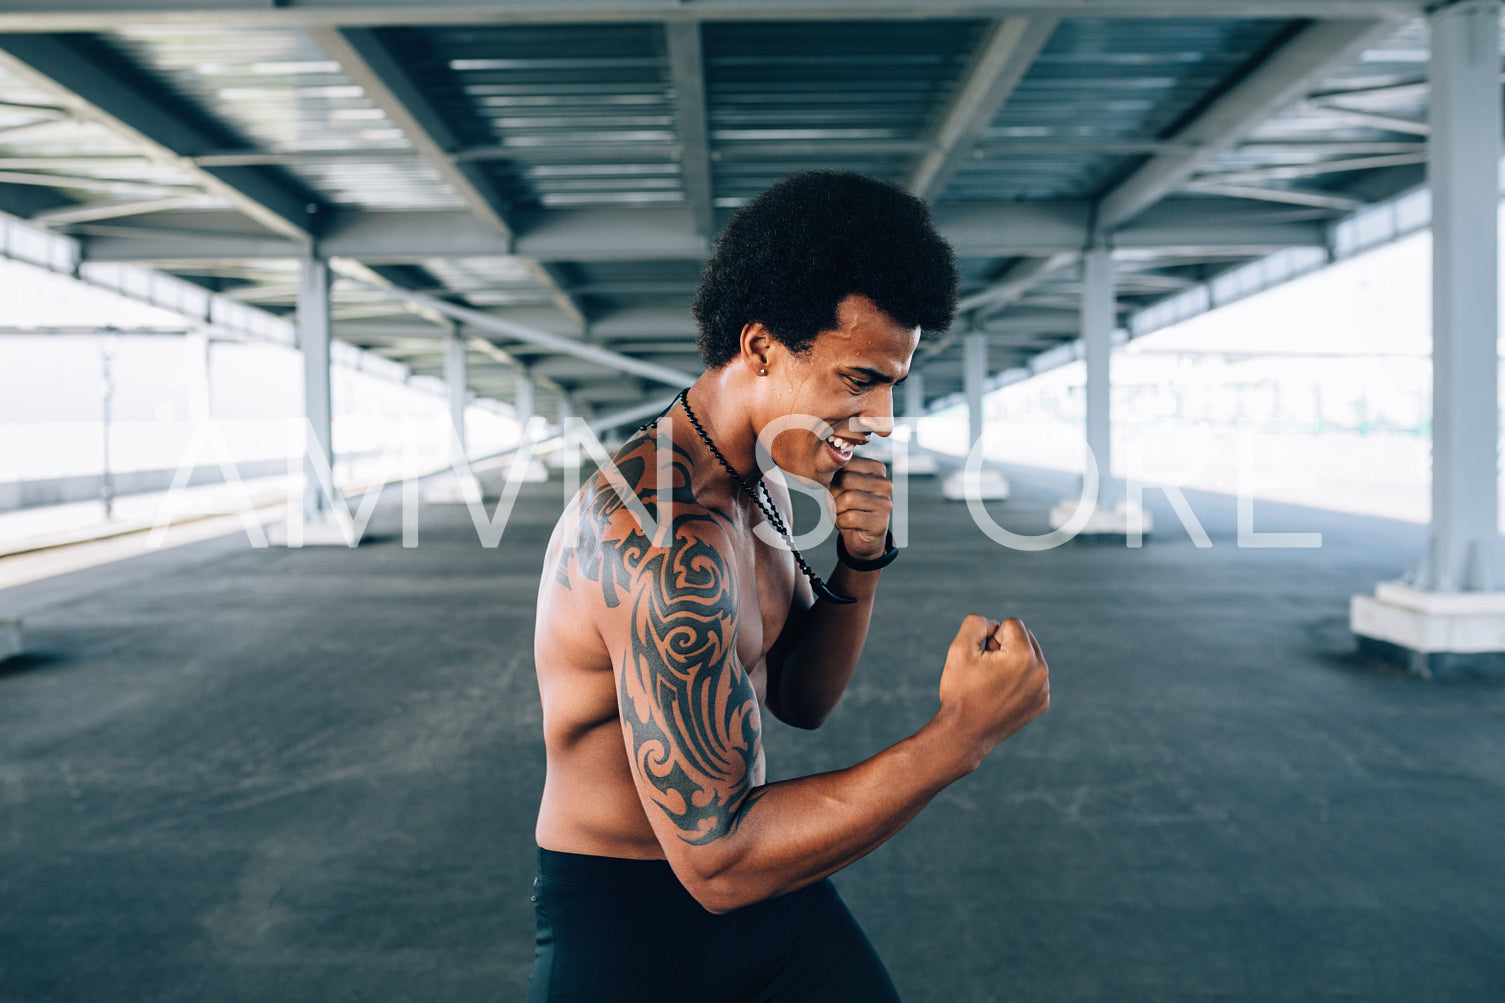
x=878 y=377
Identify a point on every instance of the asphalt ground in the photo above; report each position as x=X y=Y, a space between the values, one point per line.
x=236 y=774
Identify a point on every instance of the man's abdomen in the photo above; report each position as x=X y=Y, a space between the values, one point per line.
x=589 y=802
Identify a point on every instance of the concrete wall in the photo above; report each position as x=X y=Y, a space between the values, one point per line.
x=16 y=495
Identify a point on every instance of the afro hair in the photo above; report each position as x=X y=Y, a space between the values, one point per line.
x=790 y=256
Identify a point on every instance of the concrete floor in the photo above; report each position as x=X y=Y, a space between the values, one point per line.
x=229 y=774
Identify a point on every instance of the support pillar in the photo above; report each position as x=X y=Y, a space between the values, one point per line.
x=990 y=485
x=456 y=382
x=1099 y=319
x=1451 y=619
x=10 y=639
x=974 y=372
x=200 y=397
x=456 y=484
x=921 y=463
x=524 y=407
x=1097 y=323
x=522 y=404
x=313 y=323
x=318 y=524
x=914 y=400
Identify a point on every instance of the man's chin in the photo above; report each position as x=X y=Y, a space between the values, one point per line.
x=810 y=475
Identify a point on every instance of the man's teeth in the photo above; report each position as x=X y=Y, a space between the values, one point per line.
x=845 y=445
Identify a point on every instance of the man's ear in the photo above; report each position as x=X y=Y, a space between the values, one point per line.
x=756 y=345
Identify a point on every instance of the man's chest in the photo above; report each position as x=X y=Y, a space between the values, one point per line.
x=766 y=578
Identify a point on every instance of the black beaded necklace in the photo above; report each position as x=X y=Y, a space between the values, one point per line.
x=758 y=492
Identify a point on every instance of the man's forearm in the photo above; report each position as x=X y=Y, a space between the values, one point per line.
x=795 y=832
x=814 y=672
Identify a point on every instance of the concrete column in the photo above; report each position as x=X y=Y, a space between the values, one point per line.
x=974 y=372
x=10 y=639
x=200 y=400
x=914 y=399
x=523 y=404
x=456 y=382
x=1098 y=319
x=526 y=406
x=917 y=462
x=1464 y=175
x=313 y=323
x=1451 y=619
x=988 y=484
x=1109 y=515
x=455 y=485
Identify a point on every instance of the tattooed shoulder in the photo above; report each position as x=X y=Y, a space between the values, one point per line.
x=690 y=714
x=608 y=538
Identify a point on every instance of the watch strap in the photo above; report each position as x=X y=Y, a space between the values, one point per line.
x=867 y=564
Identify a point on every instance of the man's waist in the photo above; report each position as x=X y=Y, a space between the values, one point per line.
x=612 y=872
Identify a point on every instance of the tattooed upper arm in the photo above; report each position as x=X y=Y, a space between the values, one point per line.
x=689 y=713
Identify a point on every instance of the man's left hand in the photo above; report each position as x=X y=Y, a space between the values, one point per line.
x=863 y=498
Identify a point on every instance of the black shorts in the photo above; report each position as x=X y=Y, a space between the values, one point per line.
x=613 y=930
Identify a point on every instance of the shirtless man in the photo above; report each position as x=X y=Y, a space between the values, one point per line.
x=668 y=869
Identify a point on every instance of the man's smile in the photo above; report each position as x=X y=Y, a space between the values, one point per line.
x=842 y=446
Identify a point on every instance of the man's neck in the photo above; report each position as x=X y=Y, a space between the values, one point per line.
x=715 y=401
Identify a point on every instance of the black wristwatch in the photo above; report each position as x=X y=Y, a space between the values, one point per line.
x=859 y=564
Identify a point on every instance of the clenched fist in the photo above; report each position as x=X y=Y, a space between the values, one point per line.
x=863 y=498
x=995 y=682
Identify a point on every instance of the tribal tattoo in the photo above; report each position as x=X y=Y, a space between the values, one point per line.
x=691 y=712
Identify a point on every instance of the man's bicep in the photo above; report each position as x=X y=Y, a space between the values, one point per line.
x=689 y=713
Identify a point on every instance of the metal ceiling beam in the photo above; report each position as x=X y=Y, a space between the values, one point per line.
x=92 y=213
x=1022 y=276
x=84 y=15
x=687 y=66
x=1019 y=279
x=1005 y=55
x=544 y=339
x=369 y=64
x=1280 y=79
x=990 y=230
x=619 y=234
x=614 y=392
x=1320 y=200
x=644 y=322
x=507 y=361
x=57 y=66
x=1290 y=172
x=1033 y=321
x=1373 y=119
x=578 y=370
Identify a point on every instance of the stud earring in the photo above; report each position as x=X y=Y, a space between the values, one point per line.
x=762 y=372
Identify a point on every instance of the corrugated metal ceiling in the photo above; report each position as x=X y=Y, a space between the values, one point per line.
x=582 y=139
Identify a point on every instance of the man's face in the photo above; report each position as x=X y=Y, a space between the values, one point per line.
x=845 y=379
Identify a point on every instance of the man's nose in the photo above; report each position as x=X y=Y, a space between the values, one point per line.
x=879 y=419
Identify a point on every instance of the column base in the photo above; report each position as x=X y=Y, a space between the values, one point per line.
x=990 y=486
x=320 y=533
x=1103 y=523
x=451 y=489
x=1432 y=634
x=10 y=639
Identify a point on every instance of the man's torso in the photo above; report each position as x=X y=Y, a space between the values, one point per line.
x=590 y=804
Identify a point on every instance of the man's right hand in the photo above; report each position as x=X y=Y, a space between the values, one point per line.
x=995 y=682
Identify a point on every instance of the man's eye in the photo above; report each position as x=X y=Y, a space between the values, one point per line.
x=858 y=386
